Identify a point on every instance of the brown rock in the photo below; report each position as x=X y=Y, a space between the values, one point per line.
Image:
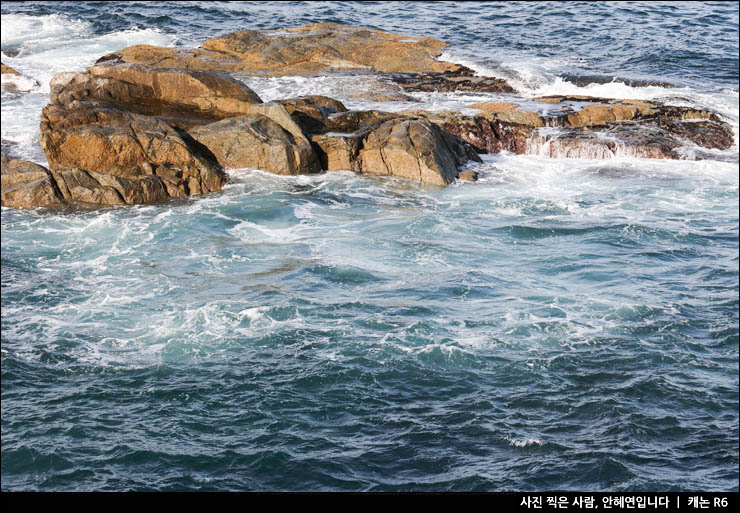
x=8 y=70
x=95 y=146
x=330 y=46
x=484 y=134
x=461 y=79
x=625 y=140
x=310 y=49
x=312 y=112
x=413 y=149
x=257 y=141
x=601 y=115
x=510 y=113
x=468 y=176
x=353 y=121
x=706 y=133
x=181 y=97
x=27 y=185
x=185 y=58
x=339 y=152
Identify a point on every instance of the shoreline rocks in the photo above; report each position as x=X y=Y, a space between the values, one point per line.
x=603 y=129
x=409 y=61
x=148 y=124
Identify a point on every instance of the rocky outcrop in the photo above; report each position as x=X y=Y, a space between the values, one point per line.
x=126 y=134
x=410 y=61
x=313 y=48
x=602 y=129
x=148 y=124
x=462 y=79
x=98 y=136
x=183 y=98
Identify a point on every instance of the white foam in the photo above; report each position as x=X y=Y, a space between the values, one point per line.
x=525 y=443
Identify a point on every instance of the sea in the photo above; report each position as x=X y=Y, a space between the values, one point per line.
x=561 y=324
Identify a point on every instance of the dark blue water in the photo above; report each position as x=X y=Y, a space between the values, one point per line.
x=560 y=324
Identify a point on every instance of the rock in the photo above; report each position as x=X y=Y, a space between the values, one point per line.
x=413 y=149
x=184 y=98
x=462 y=79
x=601 y=115
x=330 y=46
x=626 y=140
x=377 y=89
x=7 y=70
x=27 y=185
x=508 y=112
x=97 y=146
x=468 y=176
x=309 y=49
x=339 y=152
x=706 y=133
x=410 y=61
x=312 y=112
x=599 y=130
x=484 y=134
x=353 y=121
x=183 y=58
x=258 y=142
x=79 y=186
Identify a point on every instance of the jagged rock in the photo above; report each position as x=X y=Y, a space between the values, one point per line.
x=27 y=185
x=638 y=128
x=706 y=133
x=413 y=149
x=461 y=79
x=182 y=97
x=95 y=145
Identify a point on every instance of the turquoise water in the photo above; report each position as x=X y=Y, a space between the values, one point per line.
x=560 y=324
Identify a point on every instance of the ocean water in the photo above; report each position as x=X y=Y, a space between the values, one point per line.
x=564 y=324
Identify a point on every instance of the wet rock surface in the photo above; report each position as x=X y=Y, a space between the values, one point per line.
x=315 y=48
x=7 y=70
x=147 y=124
x=460 y=80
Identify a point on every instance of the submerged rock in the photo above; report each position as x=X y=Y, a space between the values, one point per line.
x=128 y=133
